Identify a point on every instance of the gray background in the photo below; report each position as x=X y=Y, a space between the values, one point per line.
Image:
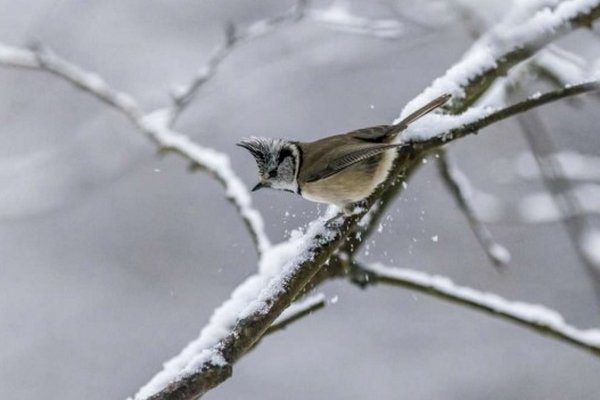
x=112 y=259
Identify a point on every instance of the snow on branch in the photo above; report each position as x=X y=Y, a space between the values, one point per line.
x=42 y=58
x=497 y=52
x=459 y=186
x=438 y=129
x=537 y=317
x=154 y=125
x=253 y=307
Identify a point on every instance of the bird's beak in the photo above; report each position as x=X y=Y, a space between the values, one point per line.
x=259 y=185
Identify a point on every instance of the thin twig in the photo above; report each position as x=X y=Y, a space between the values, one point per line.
x=458 y=185
x=234 y=37
x=538 y=318
x=296 y=311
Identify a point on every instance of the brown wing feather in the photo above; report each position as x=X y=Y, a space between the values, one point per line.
x=378 y=133
x=349 y=159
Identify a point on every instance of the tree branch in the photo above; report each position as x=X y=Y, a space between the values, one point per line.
x=536 y=317
x=451 y=128
x=296 y=311
x=154 y=125
x=184 y=95
x=497 y=52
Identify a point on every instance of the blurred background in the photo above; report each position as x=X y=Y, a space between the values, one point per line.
x=113 y=258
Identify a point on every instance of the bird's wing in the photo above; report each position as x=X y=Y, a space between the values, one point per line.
x=348 y=159
x=373 y=134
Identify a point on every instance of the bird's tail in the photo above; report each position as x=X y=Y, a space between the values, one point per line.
x=426 y=109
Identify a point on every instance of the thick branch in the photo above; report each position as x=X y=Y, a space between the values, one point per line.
x=496 y=53
x=538 y=318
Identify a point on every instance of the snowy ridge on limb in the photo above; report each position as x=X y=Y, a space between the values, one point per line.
x=533 y=316
x=438 y=129
x=254 y=305
x=152 y=124
x=495 y=53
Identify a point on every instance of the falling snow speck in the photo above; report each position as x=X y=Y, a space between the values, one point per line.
x=334 y=299
x=435 y=238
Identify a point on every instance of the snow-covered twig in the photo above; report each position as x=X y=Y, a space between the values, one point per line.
x=460 y=188
x=44 y=59
x=537 y=317
x=241 y=321
x=496 y=53
x=154 y=125
x=438 y=130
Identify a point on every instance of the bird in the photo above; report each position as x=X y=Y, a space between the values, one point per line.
x=342 y=170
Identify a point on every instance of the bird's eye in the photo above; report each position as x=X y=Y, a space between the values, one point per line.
x=273 y=173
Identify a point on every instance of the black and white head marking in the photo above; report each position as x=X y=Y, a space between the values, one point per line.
x=277 y=161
